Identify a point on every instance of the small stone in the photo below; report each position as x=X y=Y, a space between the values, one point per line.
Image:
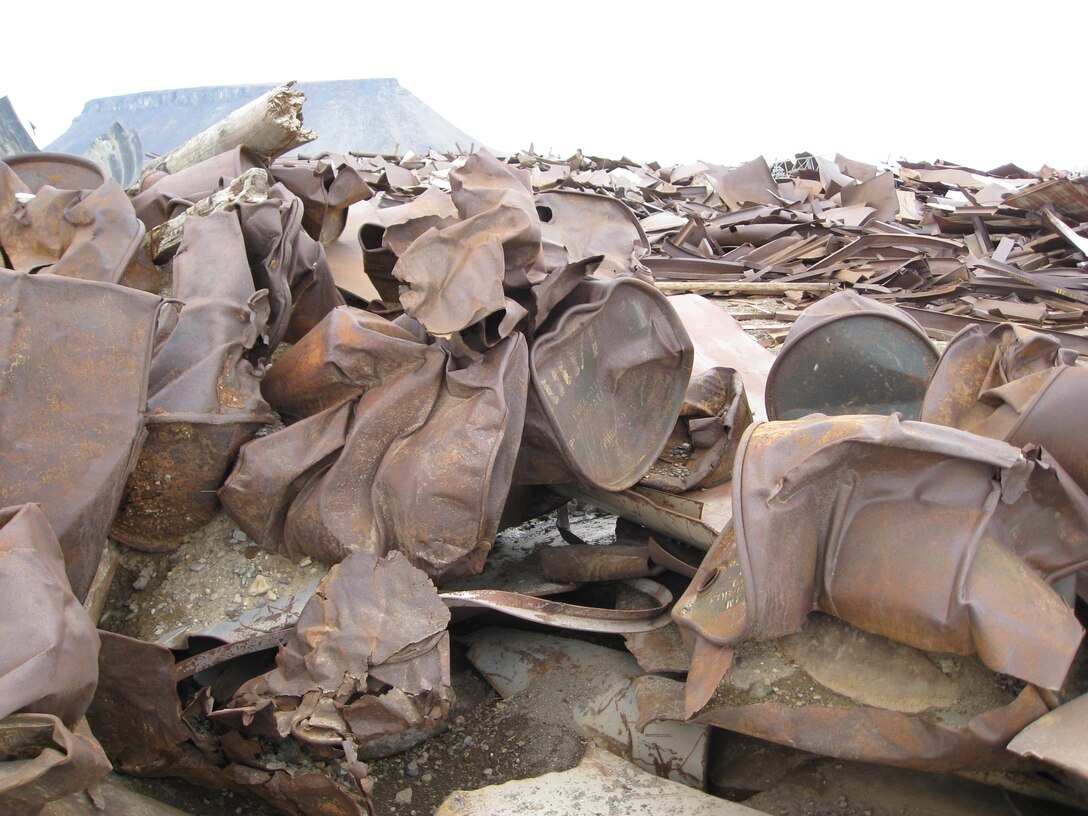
x=174 y=558
x=259 y=586
x=194 y=597
x=272 y=596
x=237 y=598
x=759 y=690
x=239 y=535
x=488 y=772
x=142 y=580
x=197 y=566
x=404 y=797
x=412 y=769
x=426 y=778
x=468 y=742
x=305 y=562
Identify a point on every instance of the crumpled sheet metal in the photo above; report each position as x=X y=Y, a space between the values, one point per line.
x=283 y=258
x=368 y=657
x=701 y=448
x=865 y=733
x=88 y=234
x=720 y=341
x=48 y=670
x=142 y=726
x=609 y=373
x=205 y=399
x=1017 y=385
x=394 y=229
x=327 y=185
x=75 y=356
x=1058 y=738
x=904 y=529
x=288 y=263
x=347 y=354
x=421 y=461
x=848 y=354
x=60 y=170
x=587 y=225
x=48 y=761
x=459 y=274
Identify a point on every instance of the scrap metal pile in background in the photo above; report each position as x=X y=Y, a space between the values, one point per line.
x=830 y=535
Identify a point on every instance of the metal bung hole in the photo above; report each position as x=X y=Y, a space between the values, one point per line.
x=545 y=213
x=708 y=579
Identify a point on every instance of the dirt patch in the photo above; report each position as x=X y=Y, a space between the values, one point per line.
x=217 y=574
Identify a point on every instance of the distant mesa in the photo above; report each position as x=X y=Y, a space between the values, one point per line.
x=366 y=115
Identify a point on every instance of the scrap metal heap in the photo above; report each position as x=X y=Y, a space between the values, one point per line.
x=487 y=339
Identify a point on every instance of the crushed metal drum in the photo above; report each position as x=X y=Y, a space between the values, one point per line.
x=608 y=379
x=83 y=349
x=60 y=170
x=851 y=355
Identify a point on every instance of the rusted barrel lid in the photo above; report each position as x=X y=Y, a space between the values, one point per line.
x=61 y=170
x=848 y=354
x=607 y=381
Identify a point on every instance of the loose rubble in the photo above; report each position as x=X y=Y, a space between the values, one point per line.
x=356 y=484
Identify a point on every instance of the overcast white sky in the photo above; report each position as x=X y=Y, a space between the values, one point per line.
x=980 y=83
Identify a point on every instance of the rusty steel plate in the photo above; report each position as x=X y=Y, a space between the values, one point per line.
x=60 y=170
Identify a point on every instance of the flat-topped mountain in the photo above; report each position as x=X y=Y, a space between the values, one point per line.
x=352 y=114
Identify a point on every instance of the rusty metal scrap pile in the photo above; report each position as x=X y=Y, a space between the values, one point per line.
x=859 y=493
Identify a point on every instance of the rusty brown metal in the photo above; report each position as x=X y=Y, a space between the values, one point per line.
x=1057 y=738
x=347 y=354
x=327 y=185
x=700 y=450
x=431 y=433
x=609 y=372
x=917 y=532
x=321 y=690
x=89 y=234
x=205 y=399
x=288 y=263
x=848 y=354
x=572 y=616
x=228 y=651
x=378 y=262
x=60 y=170
x=867 y=733
x=46 y=761
x=76 y=356
x=587 y=225
x=48 y=670
x=395 y=229
x=462 y=273
x=139 y=717
x=579 y=563
x=1017 y=385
